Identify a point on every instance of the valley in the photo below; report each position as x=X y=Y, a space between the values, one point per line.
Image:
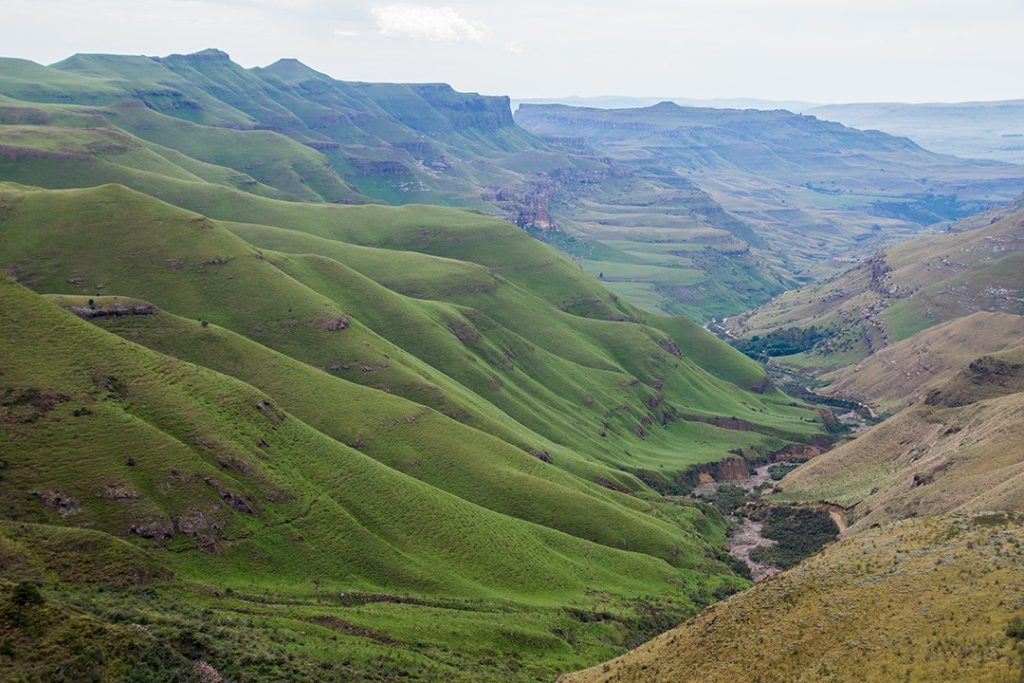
x=311 y=379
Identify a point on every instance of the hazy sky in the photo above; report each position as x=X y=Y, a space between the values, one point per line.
x=816 y=50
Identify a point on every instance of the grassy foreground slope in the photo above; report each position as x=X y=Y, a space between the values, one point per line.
x=216 y=483
x=919 y=600
x=420 y=410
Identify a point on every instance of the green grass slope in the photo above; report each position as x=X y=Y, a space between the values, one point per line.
x=113 y=143
x=219 y=484
x=409 y=437
x=564 y=376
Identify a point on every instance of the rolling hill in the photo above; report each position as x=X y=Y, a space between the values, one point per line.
x=219 y=490
x=901 y=373
x=956 y=449
x=279 y=402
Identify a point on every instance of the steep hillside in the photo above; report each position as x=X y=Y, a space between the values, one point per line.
x=921 y=600
x=571 y=380
x=975 y=266
x=215 y=483
x=976 y=130
x=957 y=449
x=903 y=372
x=378 y=391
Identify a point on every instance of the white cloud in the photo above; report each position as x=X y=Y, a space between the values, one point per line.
x=346 y=33
x=438 y=24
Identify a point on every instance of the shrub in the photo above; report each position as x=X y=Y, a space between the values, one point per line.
x=26 y=593
x=1015 y=628
x=798 y=532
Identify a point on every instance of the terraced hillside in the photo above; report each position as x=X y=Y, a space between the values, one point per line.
x=808 y=196
x=278 y=403
x=943 y=595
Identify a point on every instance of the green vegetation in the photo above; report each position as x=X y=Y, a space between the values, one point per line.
x=781 y=342
x=280 y=438
x=902 y=296
x=798 y=533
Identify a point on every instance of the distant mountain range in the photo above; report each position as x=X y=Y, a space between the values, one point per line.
x=976 y=130
x=626 y=102
x=972 y=130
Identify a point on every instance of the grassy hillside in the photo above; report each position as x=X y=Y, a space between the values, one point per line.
x=941 y=594
x=565 y=376
x=218 y=484
x=903 y=372
x=907 y=288
x=956 y=449
x=356 y=400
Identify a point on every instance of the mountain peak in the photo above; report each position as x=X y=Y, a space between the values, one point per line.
x=291 y=69
x=209 y=54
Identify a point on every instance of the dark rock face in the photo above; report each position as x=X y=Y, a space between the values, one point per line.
x=155 y=529
x=59 y=502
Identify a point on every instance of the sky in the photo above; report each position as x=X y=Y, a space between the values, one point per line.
x=820 y=51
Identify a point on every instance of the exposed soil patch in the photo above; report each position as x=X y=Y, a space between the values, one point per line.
x=744 y=540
